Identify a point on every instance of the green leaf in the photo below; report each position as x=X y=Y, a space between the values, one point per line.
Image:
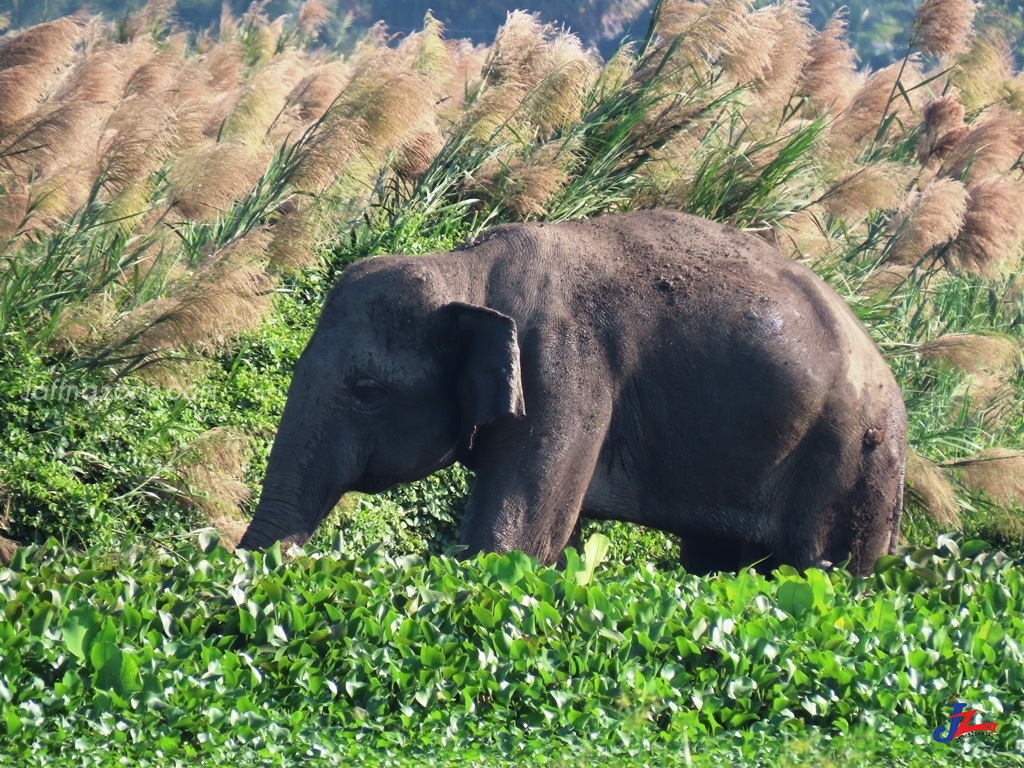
x=510 y=568
x=79 y=628
x=209 y=540
x=272 y=558
x=594 y=553
x=973 y=547
x=795 y=597
x=12 y=721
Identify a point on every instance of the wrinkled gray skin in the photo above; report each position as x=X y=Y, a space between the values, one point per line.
x=649 y=367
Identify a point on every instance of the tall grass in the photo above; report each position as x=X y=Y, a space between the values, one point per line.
x=157 y=194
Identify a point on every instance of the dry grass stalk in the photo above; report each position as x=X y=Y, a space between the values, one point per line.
x=975 y=353
x=213 y=468
x=208 y=179
x=263 y=99
x=226 y=295
x=415 y=156
x=878 y=186
x=944 y=127
x=556 y=101
x=529 y=184
x=789 y=55
x=803 y=234
x=296 y=236
x=877 y=98
x=702 y=31
x=990 y=148
x=995 y=472
x=930 y=487
x=29 y=63
x=828 y=79
x=941 y=27
x=927 y=219
x=993 y=228
x=982 y=71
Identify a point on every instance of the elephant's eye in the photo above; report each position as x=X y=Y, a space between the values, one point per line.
x=368 y=393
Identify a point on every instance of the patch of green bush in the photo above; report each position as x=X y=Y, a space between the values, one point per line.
x=203 y=655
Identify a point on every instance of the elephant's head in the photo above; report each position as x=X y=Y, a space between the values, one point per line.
x=395 y=380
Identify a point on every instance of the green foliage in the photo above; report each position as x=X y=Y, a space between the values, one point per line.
x=199 y=655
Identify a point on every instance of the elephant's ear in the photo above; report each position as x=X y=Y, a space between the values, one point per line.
x=489 y=379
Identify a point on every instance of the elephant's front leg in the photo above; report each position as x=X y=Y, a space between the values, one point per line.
x=533 y=472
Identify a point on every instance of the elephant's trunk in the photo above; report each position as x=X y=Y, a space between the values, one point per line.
x=306 y=475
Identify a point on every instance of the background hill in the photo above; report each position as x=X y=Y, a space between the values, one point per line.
x=878 y=29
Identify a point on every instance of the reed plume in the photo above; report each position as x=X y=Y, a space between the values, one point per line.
x=997 y=473
x=990 y=148
x=993 y=228
x=928 y=219
x=941 y=27
x=929 y=486
x=981 y=72
x=878 y=98
x=212 y=470
x=828 y=79
x=942 y=130
x=877 y=186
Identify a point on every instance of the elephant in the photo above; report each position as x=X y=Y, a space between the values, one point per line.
x=649 y=367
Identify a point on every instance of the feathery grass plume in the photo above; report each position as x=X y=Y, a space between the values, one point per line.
x=928 y=485
x=877 y=186
x=927 y=219
x=517 y=54
x=392 y=101
x=16 y=214
x=993 y=228
x=701 y=30
x=944 y=127
x=228 y=294
x=263 y=99
x=296 y=236
x=556 y=101
x=876 y=99
x=326 y=153
x=212 y=468
x=990 y=354
x=805 y=235
x=426 y=53
x=29 y=64
x=749 y=55
x=205 y=181
x=989 y=148
x=527 y=184
x=941 y=27
x=314 y=14
x=225 y=62
x=137 y=141
x=885 y=279
x=414 y=157
x=989 y=362
x=981 y=72
x=995 y=472
x=789 y=54
x=51 y=45
x=317 y=91
x=828 y=79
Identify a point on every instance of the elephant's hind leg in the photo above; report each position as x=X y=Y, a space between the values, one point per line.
x=701 y=554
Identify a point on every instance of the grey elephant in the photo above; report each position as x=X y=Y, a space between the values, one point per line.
x=649 y=367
